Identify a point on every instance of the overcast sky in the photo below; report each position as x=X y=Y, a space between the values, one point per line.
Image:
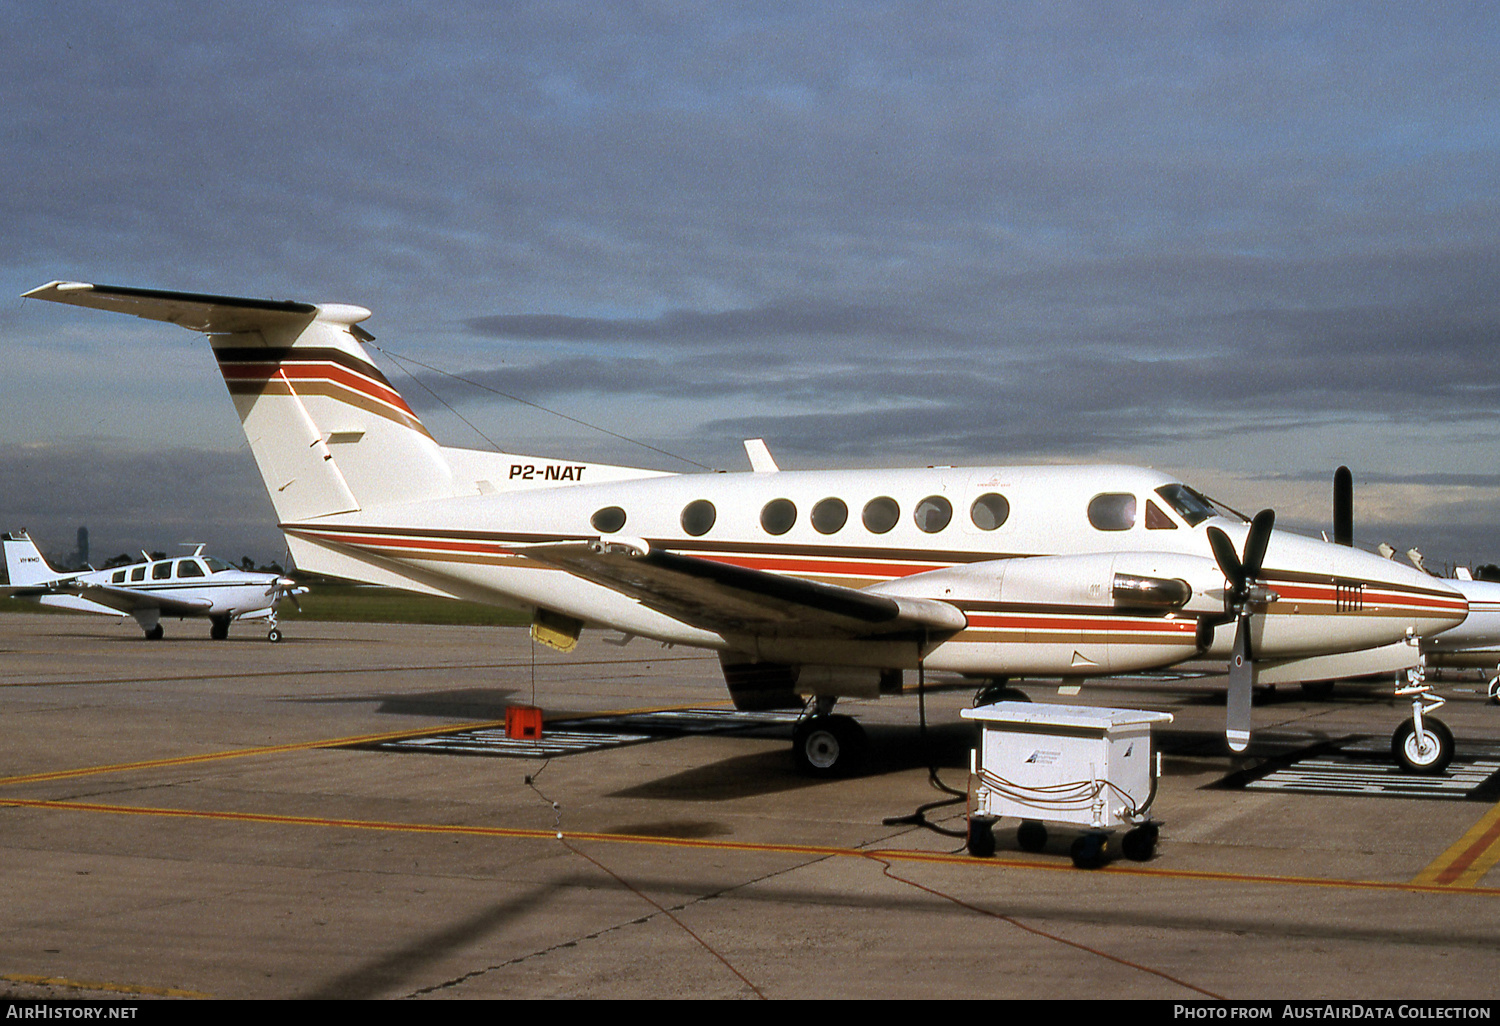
x=1243 y=243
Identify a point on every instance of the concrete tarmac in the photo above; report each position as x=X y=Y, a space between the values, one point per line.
x=190 y=818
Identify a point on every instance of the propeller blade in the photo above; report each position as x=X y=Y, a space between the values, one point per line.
x=1343 y=507
x=1228 y=559
x=1256 y=542
x=1237 y=722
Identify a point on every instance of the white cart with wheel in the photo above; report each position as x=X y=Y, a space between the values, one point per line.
x=1067 y=764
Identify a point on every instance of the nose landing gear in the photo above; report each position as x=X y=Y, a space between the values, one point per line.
x=1423 y=744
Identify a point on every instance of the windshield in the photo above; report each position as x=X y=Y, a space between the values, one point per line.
x=1195 y=507
x=216 y=565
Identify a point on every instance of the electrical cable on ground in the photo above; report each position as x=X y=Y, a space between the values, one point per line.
x=919 y=817
x=1040 y=932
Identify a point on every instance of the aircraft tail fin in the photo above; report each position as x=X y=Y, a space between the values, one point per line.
x=329 y=433
x=24 y=562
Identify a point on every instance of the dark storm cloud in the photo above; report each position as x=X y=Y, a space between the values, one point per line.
x=1015 y=230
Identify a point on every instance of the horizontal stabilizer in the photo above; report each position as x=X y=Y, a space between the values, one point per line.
x=194 y=311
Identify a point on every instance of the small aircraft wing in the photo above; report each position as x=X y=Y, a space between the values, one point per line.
x=131 y=601
x=213 y=314
x=731 y=599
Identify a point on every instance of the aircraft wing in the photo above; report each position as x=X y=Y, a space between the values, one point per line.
x=730 y=599
x=212 y=314
x=128 y=600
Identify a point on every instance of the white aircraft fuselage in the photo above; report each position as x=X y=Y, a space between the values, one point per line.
x=843 y=576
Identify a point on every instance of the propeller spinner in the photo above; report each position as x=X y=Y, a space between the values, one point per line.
x=1241 y=597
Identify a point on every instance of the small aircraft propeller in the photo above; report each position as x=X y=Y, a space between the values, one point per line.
x=1243 y=594
x=284 y=587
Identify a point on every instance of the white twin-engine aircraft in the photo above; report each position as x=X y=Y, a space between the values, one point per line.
x=823 y=584
x=189 y=586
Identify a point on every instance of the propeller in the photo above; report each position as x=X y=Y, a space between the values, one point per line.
x=1343 y=507
x=284 y=587
x=1243 y=593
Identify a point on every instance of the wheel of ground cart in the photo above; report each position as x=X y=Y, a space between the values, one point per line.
x=1429 y=753
x=1090 y=851
x=1031 y=836
x=274 y=635
x=828 y=746
x=1139 y=844
x=981 y=837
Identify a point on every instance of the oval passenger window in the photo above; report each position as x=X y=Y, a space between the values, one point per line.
x=698 y=516
x=933 y=514
x=608 y=520
x=989 y=511
x=1112 y=511
x=778 y=516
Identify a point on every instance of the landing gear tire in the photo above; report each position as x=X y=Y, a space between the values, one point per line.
x=1139 y=844
x=219 y=628
x=274 y=635
x=828 y=746
x=156 y=633
x=1494 y=691
x=992 y=693
x=981 y=841
x=1430 y=753
x=1090 y=851
x=1031 y=836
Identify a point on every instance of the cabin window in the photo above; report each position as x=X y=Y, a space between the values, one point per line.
x=933 y=513
x=989 y=511
x=118 y=578
x=161 y=571
x=138 y=573
x=698 y=516
x=1156 y=520
x=881 y=514
x=189 y=568
x=608 y=520
x=830 y=516
x=778 y=516
x=1112 y=511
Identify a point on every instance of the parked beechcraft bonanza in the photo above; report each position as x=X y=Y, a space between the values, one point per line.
x=196 y=586
x=808 y=584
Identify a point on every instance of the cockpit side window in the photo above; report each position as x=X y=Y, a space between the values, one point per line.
x=1112 y=511
x=1194 y=506
x=189 y=568
x=1156 y=520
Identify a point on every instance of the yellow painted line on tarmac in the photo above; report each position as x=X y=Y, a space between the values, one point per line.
x=817 y=851
x=1466 y=863
x=298 y=746
x=240 y=753
x=111 y=988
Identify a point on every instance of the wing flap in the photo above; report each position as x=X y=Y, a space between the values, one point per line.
x=192 y=310
x=731 y=599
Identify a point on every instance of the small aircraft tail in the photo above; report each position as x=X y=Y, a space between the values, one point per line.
x=24 y=562
x=329 y=433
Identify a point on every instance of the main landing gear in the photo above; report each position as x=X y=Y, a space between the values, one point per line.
x=1423 y=744
x=826 y=745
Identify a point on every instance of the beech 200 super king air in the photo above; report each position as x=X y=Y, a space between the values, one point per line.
x=810 y=584
x=196 y=586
